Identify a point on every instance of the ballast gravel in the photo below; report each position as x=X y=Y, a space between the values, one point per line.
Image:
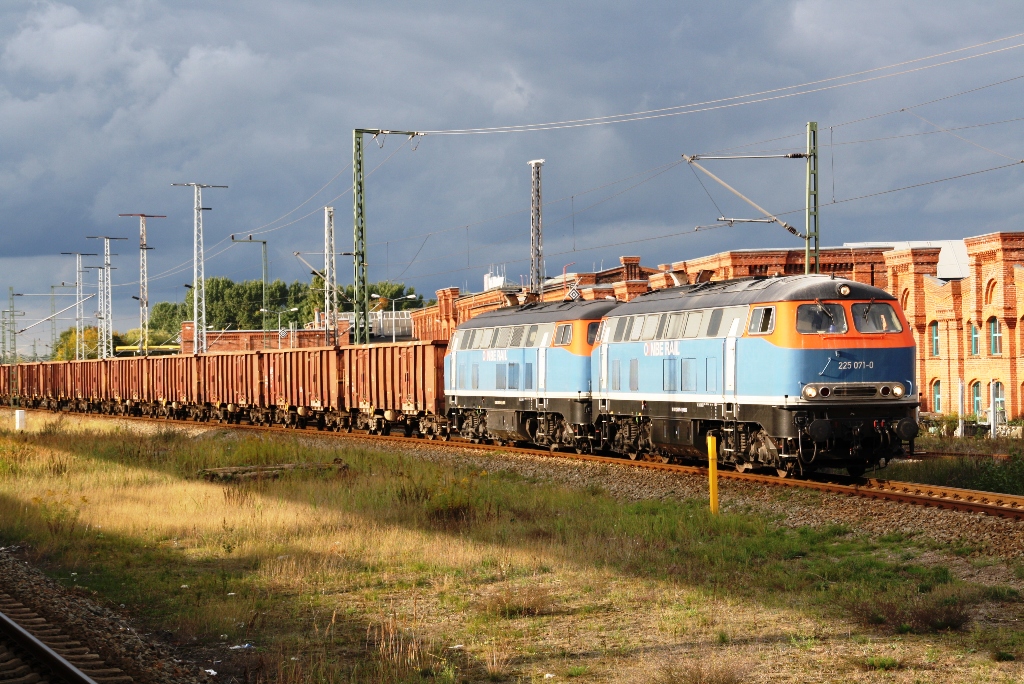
x=102 y=630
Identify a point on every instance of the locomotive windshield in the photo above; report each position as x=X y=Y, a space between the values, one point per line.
x=820 y=318
x=875 y=318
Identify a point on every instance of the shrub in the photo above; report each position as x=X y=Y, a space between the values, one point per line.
x=701 y=672
x=524 y=601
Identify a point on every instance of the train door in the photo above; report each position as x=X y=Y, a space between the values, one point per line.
x=729 y=385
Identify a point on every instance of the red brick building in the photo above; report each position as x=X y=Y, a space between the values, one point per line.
x=960 y=298
x=250 y=340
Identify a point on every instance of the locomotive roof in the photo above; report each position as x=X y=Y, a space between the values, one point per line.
x=749 y=291
x=549 y=312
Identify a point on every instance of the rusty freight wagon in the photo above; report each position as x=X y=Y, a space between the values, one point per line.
x=395 y=386
x=233 y=386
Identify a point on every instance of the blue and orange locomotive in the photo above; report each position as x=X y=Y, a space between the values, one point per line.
x=789 y=373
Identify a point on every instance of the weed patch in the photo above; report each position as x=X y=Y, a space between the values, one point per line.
x=705 y=671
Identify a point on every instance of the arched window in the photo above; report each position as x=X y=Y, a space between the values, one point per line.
x=990 y=291
x=976 y=399
x=937 y=396
x=995 y=336
x=904 y=299
x=934 y=328
x=999 y=401
x=975 y=340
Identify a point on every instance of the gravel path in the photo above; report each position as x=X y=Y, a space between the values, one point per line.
x=101 y=630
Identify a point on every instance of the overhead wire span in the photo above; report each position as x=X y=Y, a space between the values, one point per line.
x=880 y=115
x=959 y=137
x=739 y=100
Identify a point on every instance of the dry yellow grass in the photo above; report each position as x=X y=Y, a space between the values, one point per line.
x=329 y=571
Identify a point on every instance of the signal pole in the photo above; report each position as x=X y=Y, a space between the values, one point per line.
x=536 y=231
x=143 y=283
x=361 y=294
x=198 y=269
x=330 y=278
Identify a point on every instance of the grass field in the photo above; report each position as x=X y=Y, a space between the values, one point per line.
x=401 y=569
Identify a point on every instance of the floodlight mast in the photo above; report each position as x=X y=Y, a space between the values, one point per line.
x=143 y=283
x=361 y=298
x=198 y=269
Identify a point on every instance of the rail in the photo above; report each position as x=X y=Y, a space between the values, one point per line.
x=43 y=654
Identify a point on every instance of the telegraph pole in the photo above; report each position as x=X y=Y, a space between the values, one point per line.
x=812 y=249
x=361 y=298
x=330 y=278
x=80 y=304
x=198 y=269
x=536 y=231
x=143 y=283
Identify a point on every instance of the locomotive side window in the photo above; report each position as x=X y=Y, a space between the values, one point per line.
x=820 y=318
x=616 y=375
x=688 y=375
x=517 y=336
x=715 y=322
x=513 y=376
x=503 y=336
x=673 y=329
x=693 y=321
x=729 y=316
x=637 y=329
x=875 y=318
x=592 y=332
x=762 y=321
x=500 y=373
x=545 y=333
x=650 y=328
x=531 y=336
x=464 y=338
x=620 y=327
x=662 y=322
x=563 y=335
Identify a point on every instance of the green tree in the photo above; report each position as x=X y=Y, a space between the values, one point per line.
x=65 y=349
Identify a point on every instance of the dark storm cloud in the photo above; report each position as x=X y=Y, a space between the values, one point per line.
x=104 y=105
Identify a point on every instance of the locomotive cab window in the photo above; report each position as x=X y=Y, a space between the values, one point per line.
x=874 y=317
x=592 y=332
x=563 y=335
x=820 y=318
x=637 y=329
x=762 y=321
x=621 y=324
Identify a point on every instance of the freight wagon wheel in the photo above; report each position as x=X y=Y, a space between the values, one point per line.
x=633 y=455
x=446 y=436
x=782 y=472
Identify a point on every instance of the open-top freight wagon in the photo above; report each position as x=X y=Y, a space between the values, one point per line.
x=376 y=388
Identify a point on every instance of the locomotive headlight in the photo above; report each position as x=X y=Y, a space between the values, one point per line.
x=810 y=392
x=844 y=290
x=898 y=390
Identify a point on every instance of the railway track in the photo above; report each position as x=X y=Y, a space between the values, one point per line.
x=33 y=650
x=952 y=498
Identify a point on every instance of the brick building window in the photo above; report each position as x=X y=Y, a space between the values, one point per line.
x=1000 y=400
x=975 y=340
x=990 y=291
x=995 y=336
x=937 y=396
x=976 y=398
x=934 y=327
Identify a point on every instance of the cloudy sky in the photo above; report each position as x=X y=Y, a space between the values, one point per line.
x=104 y=104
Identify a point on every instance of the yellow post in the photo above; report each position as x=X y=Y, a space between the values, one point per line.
x=713 y=472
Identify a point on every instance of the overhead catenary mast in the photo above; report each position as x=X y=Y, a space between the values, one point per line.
x=198 y=269
x=330 y=279
x=143 y=283
x=536 y=231
x=106 y=319
x=79 y=304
